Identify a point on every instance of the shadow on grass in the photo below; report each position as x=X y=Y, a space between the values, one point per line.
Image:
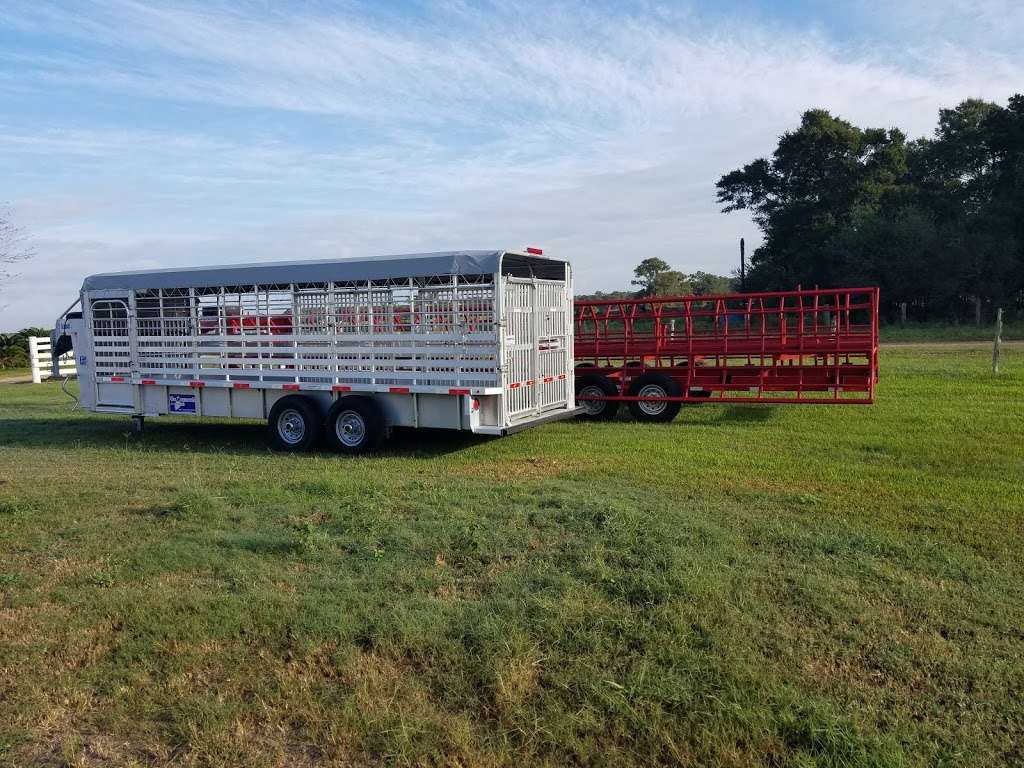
x=210 y=436
x=250 y=437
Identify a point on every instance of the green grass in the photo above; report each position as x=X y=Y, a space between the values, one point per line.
x=8 y=373
x=805 y=586
x=915 y=332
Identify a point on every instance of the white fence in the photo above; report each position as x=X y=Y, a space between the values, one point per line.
x=40 y=357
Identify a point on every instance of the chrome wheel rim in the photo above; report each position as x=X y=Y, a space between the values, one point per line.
x=592 y=407
x=649 y=408
x=350 y=429
x=291 y=426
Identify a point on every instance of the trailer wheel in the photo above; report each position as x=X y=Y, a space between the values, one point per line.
x=654 y=385
x=597 y=386
x=355 y=425
x=294 y=424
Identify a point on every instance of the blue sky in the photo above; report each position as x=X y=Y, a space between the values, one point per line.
x=137 y=133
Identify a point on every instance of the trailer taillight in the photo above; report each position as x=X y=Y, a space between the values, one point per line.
x=476 y=404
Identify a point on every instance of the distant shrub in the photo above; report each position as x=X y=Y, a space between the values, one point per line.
x=14 y=347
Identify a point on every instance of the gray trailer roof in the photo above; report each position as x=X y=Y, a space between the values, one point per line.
x=313 y=271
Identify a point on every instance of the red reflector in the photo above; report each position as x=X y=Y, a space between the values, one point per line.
x=458 y=391
x=399 y=390
x=548 y=379
x=341 y=388
x=241 y=385
x=292 y=387
x=530 y=382
x=148 y=381
x=561 y=376
x=535 y=251
x=117 y=378
x=197 y=384
x=516 y=384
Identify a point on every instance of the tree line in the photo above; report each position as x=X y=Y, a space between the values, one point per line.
x=937 y=223
x=656 y=277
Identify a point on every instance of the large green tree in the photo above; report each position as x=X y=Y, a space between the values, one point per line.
x=937 y=223
x=969 y=176
x=655 y=277
x=821 y=178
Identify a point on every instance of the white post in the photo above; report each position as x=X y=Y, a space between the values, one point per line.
x=33 y=356
x=998 y=341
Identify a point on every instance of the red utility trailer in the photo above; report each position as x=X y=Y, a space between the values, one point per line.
x=655 y=354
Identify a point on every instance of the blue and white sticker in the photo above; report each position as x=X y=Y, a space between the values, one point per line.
x=181 y=404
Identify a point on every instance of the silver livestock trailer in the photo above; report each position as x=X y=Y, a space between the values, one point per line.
x=345 y=349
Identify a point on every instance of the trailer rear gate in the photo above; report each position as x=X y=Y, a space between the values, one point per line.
x=538 y=347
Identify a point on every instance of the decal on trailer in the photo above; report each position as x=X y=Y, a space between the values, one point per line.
x=181 y=404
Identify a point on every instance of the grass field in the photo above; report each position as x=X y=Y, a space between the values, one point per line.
x=763 y=586
x=14 y=373
x=916 y=332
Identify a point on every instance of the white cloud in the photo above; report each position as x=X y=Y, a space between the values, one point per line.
x=597 y=135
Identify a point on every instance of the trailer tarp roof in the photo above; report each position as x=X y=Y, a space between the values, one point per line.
x=312 y=271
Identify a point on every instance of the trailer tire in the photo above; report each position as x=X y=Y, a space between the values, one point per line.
x=654 y=385
x=597 y=410
x=294 y=424
x=355 y=425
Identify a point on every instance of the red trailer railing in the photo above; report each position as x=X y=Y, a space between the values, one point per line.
x=803 y=346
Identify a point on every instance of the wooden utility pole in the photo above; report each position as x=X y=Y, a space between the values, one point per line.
x=743 y=265
x=998 y=341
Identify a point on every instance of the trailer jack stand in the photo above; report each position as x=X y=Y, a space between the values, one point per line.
x=138 y=424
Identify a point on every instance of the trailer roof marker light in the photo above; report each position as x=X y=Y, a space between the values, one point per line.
x=535 y=251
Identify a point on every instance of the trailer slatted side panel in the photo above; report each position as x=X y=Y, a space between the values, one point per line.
x=421 y=332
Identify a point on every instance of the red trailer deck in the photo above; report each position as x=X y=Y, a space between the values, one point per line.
x=655 y=354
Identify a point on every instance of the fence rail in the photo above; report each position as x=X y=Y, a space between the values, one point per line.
x=40 y=356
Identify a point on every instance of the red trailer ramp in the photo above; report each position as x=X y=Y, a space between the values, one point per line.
x=804 y=346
